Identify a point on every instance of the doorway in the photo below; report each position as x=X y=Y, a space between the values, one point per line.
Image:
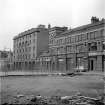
x=92 y=65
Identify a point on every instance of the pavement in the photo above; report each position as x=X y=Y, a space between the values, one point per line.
x=94 y=73
x=26 y=73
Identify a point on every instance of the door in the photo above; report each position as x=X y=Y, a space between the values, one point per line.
x=92 y=65
x=69 y=65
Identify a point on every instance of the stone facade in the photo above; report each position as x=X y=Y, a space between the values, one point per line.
x=82 y=47
x=28 y=46
x=57 y=49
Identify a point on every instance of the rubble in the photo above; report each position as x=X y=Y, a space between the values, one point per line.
x=20 y=95
x=77 y=99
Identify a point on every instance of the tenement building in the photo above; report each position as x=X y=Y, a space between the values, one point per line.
x=82 y=47
x=28 y=46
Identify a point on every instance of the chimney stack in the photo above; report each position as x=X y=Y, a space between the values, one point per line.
x=94 y=19
x=49 y=26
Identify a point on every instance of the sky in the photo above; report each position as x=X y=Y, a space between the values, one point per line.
x=17 y=16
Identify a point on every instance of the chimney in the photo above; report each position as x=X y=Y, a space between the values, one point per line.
x=94 y=20
x=41 y=26
x=49 y=26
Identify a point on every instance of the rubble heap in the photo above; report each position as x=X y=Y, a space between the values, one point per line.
x=77 y=99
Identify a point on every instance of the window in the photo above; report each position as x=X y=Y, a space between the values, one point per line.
x=57 y=42
x=85 y=44
x=60 y=50
x=23 y=50
x=23 y=56
x=34 y=48
x=33 y=55
x=68 y=40
x=68 y=48
x=92 y=35
x=84 y=36
x=26 y=42
x=22 y=43
x=79 y=48
x=19 y=44
x=26 y=49
x=29 y=49
x=77 y=38
x=96 y=34
x=26 y=36
x=80 y=37
x=102 y=32
x=49 y=41
x=72 y=39
x=60 y=41
x=88 y=35
x=30 y=41
x=26 y=56
x=72 y=49
x=29 y=56
x=20 y=50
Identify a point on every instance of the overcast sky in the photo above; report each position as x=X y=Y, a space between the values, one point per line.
x=19 y=15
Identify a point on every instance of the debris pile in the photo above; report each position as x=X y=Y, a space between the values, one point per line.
x=77 y=99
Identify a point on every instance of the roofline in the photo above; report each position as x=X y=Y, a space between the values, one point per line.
x=84 y=27
x=28 y=32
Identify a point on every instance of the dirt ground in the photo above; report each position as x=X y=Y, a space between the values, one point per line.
x=91 y=86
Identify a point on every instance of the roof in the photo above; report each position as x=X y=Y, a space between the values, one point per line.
x=58 y=28
x=28 y=32
x=84 y=27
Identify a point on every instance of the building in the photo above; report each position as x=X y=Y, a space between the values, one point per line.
x=6 y=60
x=49 y=58
x=28 y=46
x=82 y=47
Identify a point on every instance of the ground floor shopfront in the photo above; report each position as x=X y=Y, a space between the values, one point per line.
x=65 y=63
x=27 y=65
x=96 y=63
x=71 y=62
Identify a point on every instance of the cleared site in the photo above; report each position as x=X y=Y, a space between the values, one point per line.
x=87 y=85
